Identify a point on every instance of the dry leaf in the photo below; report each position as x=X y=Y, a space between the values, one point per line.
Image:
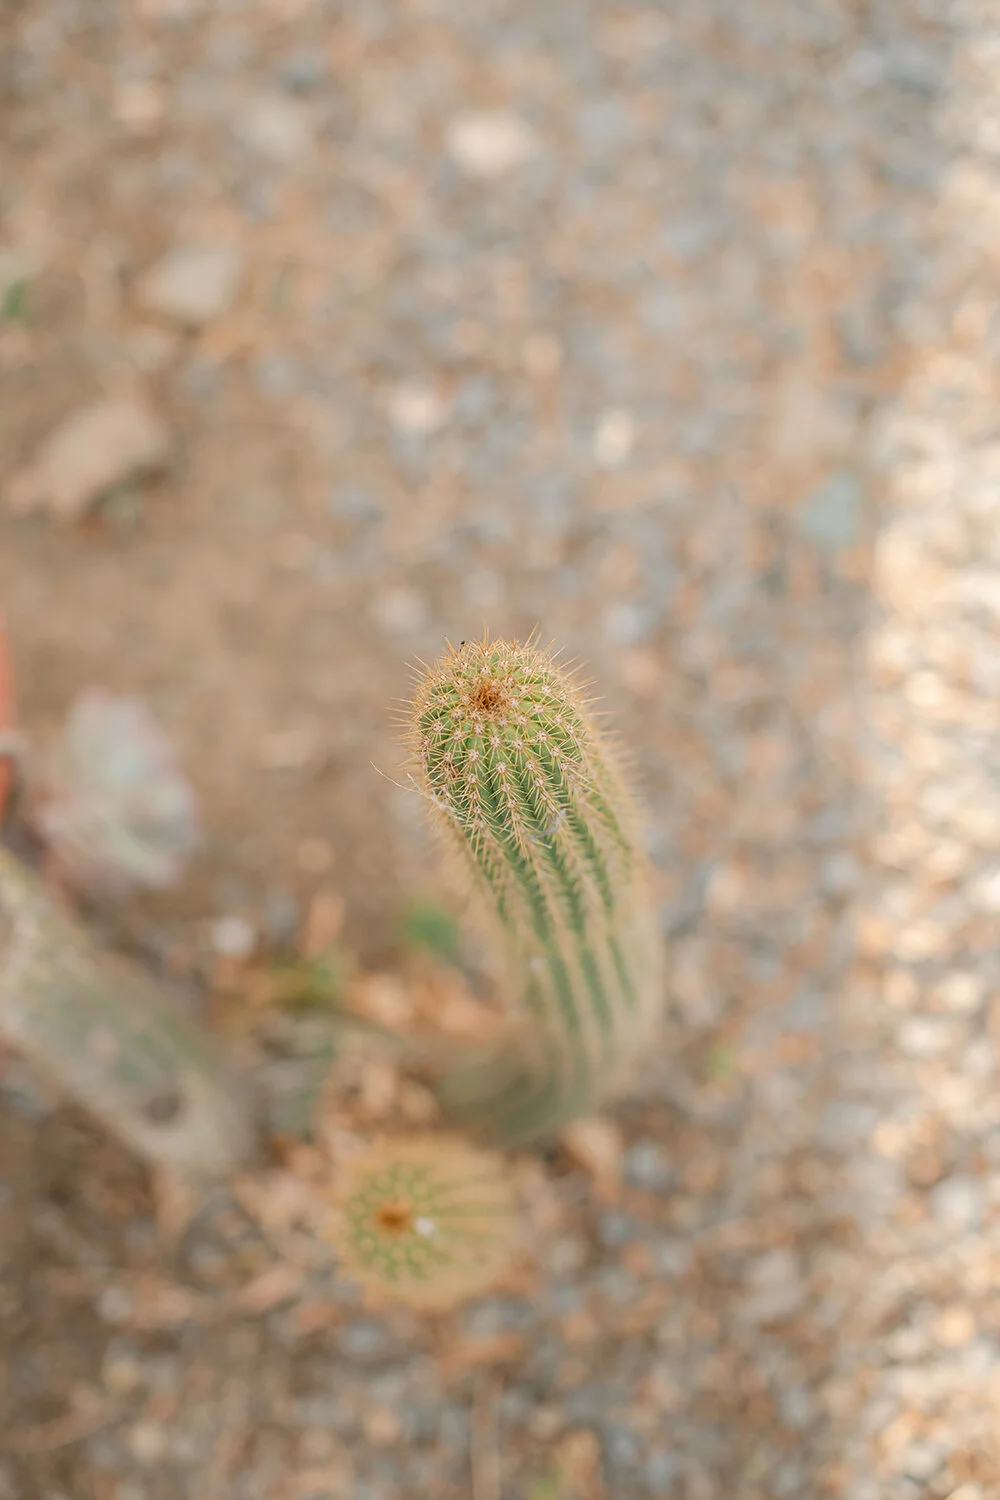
x=107 y=443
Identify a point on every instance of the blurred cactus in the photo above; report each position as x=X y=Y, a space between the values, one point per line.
x=111 y=802
x=529 y=795
x=428 y=1220
x=111 y=1037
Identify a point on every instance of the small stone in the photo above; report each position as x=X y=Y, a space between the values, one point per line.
x=233 y=937
x=192 y=283
x=417 y=410
x=776 y=1289
x=277 y=129
x=614 y=438
x=961 y=992
x=615 y=1229
x=924 y=1036
x=489 y=143
x=115 y=1305
x=364 y=1340
x=830 y=515
x=148 y=1442
x=303 y=70
x=102 y=445
x=985 y=892
x=958 y=1202
x=954 y=1326
x=121 y=1374
x=647 y=1165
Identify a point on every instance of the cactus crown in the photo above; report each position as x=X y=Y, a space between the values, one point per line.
x=428 y=1220
x=530 y=795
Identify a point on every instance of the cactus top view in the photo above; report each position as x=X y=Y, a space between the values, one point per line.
x=426 y=1220
x=530 y=795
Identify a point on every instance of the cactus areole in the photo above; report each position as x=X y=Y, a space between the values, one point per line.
x=530 y=796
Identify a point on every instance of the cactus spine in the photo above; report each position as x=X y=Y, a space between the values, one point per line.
x=529 y=794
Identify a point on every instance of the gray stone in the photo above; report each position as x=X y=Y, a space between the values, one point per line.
x=364 y=1340
x=278 y=130
x=647 y=1165
x=830 y=515
x=192 y=284
x=616 y=1228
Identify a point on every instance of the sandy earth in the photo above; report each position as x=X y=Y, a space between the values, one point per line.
x=623 y=322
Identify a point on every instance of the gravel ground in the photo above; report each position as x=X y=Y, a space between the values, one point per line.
x=628 y=321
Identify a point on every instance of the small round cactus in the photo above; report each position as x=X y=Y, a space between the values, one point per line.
x=529 y=794
x=426 y=1220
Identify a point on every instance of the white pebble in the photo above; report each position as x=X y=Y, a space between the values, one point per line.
x=488 y=143
x=614 y=438
x=148 y=1442
x=986 y=892
x=961 y=992
x=417 y=410
x=924 y=1036
x=233 y=937
x=958 y=1202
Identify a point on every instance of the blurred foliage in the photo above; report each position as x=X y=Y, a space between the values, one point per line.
x=315 y=983
x=14 y=301
x=430 y=928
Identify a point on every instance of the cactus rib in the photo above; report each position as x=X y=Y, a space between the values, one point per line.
x=529 y=794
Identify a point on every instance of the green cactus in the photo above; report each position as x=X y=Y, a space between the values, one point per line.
x=112 y=1037
x=530 y=796
x=426 y=1220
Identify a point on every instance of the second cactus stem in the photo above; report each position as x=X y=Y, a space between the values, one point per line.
x=529 y=795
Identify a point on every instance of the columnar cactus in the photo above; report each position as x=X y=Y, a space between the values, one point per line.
x=530 y=796
x=428 y=1220
x=111 y=1037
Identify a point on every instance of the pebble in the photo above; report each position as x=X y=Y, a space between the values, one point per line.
x=233 y=937
x=925 y=1036
x=614 y=438
x=647 y=1165
x=115 y=1305
x=417 y=410
x=776 y=1287
x=148 y=1442
x=830 y=515
x=958 y=1203
x=364 y=1340
x=489 y=143
x=277 y=129
x=192 y=283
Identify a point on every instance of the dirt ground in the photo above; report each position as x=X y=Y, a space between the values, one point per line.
x=590 y=318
